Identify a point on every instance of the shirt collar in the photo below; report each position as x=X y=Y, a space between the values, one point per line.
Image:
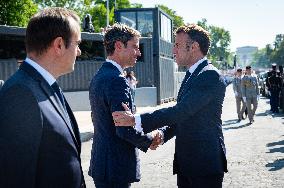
x=116 y=65
x=44 y=73
x=195 y=65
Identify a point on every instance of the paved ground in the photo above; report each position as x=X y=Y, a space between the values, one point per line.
x=255 y=152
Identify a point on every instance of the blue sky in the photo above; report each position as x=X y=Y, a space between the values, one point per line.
x=250 y=22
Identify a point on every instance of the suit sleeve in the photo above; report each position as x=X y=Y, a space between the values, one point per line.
x=169 y=132
x=20 y=134
x=200 y=95
x=118 y=93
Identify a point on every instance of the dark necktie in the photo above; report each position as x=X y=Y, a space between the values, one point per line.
x=187 y=75
x=59 y=93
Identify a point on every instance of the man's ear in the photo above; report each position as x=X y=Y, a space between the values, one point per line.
x=118 y=45
x=196 y=45
x=58 y=45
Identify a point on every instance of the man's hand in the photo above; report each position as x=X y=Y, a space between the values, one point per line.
x=123 y=118
x=157 y=139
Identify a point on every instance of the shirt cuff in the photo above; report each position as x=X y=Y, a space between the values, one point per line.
x=138 y=126
x=163 y=137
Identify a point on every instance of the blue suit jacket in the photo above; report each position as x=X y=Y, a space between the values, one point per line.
x=114 y=154
x=196 y=122
x=39 y=145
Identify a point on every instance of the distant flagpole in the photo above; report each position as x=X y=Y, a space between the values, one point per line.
x=107 y=24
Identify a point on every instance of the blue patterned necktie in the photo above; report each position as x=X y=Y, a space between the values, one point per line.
x=59 y=93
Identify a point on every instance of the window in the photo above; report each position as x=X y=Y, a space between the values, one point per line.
x=145 y=23
x=166 y=28
x=128 y=18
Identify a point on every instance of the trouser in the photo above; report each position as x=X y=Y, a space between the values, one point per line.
x=251 y=110
x=103 y=184
x=241 y=107
x=214 y=181
x=274 y=100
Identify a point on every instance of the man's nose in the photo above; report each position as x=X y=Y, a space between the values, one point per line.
x=78 y=52
x=138 y=53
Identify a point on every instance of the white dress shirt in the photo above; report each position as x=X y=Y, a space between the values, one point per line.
x=45 y=74
x=116 y=65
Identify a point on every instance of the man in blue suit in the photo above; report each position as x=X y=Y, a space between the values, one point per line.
x=1 y=83
x=199 y=160
x=114 y=158
x=39 y=137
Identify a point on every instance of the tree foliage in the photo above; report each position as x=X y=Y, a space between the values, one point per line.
x=99 y=10
x=80 y=6
x=261 y=59
x=219 y=51
x=277 y=55
x=268 y=55
x=16 y=12
x=177 y=20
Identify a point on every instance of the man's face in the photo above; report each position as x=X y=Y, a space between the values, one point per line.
x=73 y=50
x=248 y=71
x=182 y=49
x=239 y=73
x=130 y=53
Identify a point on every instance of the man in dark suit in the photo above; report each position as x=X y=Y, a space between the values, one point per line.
x=114 y=159
x=199 y=160
x=39 y=137
x=1 y=83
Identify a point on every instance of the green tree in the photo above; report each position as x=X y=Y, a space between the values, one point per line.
x=16 y=12
x=203 y=24
x=277 y=56
x=278 y=39
x=220 y=40
x=98 y=11
x=177 y=20
x=80 y=6
x=261 y=59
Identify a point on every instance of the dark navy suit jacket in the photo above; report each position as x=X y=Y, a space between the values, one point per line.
x=114 y=152
x=40 y=147
x=196 y=122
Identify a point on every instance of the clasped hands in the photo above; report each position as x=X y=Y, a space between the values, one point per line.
x=126 y=118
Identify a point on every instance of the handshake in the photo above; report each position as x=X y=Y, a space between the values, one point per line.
x=157 y=136
x=126 y=118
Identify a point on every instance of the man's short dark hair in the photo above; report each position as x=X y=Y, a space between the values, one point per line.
x=47 y=25
x=248 y=67
x=239 y=70
x=197 y=34
x=118 y=32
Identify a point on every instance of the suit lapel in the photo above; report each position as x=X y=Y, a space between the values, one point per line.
x=114 y=68
x=55 y=101
x=191 y=78
x=60 y=109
